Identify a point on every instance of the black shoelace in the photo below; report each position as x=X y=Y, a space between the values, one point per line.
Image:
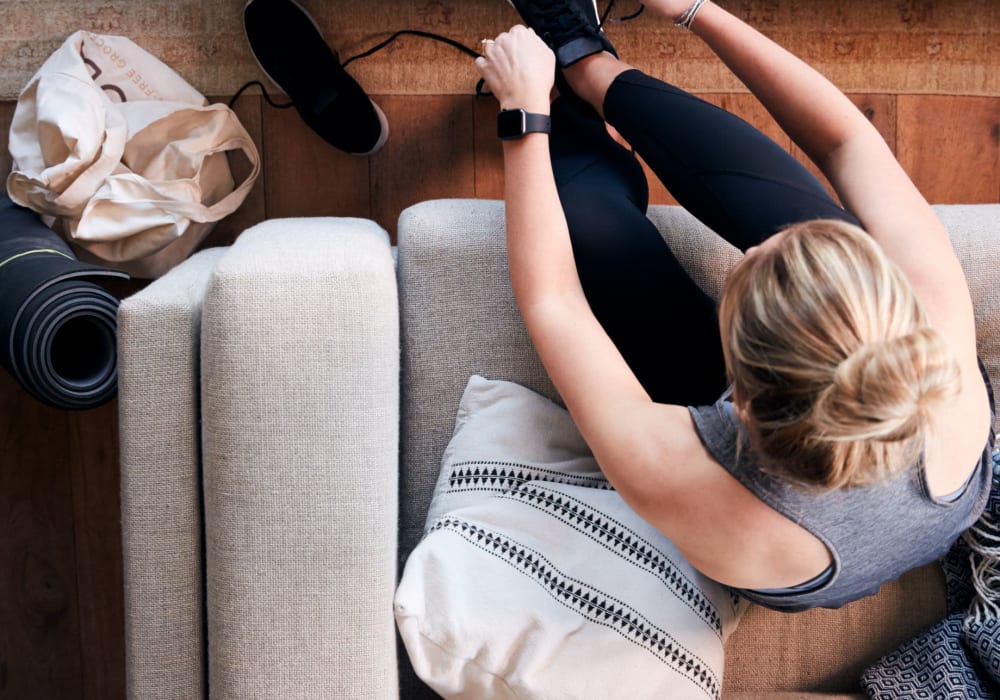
x=426 y=35
x=623 y=18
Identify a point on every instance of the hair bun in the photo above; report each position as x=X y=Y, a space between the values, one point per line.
x=887 y=390
x=831 y=356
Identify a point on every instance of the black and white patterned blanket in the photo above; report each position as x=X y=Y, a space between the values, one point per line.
x=959 y=657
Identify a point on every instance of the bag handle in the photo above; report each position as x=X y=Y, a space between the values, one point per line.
x=240 y=141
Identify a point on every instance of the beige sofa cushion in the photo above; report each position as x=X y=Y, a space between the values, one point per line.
x=825 y=650
x=300 y=395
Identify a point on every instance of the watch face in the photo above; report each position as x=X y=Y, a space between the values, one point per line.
x=510 y=124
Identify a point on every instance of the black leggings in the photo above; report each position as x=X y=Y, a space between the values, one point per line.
x=736 y=180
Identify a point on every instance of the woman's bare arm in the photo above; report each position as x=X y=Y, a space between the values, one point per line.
x=863 y=170
x=583 y=362
x=610 y=407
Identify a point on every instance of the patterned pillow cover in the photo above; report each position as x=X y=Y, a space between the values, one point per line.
x=535 y=580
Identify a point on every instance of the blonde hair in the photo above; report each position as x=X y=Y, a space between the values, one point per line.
x=831 y=356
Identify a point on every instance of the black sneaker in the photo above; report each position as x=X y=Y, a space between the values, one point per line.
x=571 y=28
x=291 y=51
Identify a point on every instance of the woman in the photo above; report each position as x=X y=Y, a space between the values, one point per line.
x=851 y=446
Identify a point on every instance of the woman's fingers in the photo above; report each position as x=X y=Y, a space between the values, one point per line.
x=516 y=66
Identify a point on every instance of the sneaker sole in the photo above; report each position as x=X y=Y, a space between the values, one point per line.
x=378 y=110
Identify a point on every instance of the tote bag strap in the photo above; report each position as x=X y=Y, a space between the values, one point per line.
x=234 y=137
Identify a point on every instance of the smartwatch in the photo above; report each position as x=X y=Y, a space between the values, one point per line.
x=515 y=123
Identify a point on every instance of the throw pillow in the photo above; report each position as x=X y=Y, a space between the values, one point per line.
x=535 y=580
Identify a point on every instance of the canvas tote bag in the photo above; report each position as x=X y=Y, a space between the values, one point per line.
x=127 y=158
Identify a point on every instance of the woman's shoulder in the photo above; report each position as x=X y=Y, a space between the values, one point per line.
x=958 y=436
x=750 y=545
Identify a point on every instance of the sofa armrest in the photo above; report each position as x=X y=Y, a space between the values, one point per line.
x=300 y=406
x=162 y=539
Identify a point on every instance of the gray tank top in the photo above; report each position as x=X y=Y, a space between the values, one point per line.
x=874 y=533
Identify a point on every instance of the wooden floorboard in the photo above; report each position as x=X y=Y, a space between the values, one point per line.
x=93 y=442
x=950 y=146
x=488 y=150
x=429 y=154
x=40 y=645
x=40 y=651
x=303 y=175
x=881 y=111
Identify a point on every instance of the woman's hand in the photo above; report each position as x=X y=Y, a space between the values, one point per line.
x=519 y=69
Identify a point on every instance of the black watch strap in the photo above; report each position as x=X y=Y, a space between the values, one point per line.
x=515 y=123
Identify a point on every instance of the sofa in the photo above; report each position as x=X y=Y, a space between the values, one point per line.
x=284 y=406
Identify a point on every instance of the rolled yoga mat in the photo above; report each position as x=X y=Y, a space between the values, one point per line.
x=58 y=330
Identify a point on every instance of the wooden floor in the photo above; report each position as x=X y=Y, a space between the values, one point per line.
x=60 y=554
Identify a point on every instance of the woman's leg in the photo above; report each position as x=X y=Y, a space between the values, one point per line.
x=732 y=177
x=729 y=175
x=663 y=324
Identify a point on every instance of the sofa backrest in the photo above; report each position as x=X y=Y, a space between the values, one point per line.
x=459 y=317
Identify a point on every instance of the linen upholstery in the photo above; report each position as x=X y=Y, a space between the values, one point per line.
x=300 y=395
x=706 y=257
x=826 y=650
x=159 y=334
x=457 y=318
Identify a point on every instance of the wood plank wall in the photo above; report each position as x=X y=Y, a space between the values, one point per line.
x=60 y=556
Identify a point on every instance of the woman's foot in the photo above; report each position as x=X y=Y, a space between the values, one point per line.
x=571 y=28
